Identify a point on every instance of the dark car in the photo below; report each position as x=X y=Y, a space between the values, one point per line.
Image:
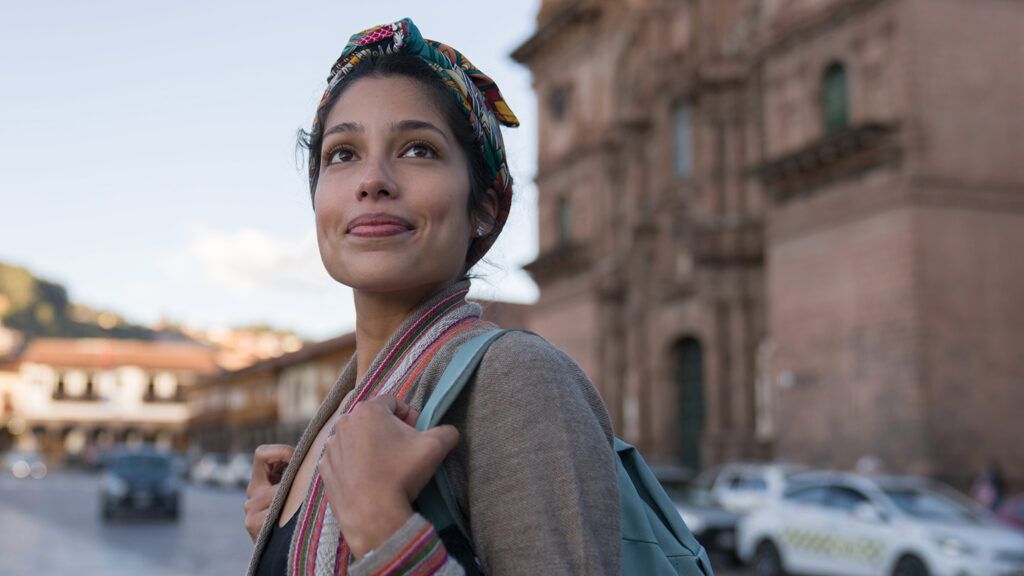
x=140 y=481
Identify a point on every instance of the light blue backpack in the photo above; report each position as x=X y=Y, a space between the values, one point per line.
x=655 y=541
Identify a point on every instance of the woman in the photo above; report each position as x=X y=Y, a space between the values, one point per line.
x=410 y=187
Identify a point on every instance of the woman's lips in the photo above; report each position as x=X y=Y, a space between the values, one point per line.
x=377 y=230
x=378 y=225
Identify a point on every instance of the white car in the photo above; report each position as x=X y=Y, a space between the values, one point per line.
x=207 y=470
x=741 y=488
x=714 y=527
x=235 y=472
x=848 y=524
x=24 y=465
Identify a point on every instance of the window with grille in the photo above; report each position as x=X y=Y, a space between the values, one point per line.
x=683 y=141
x=835 y=98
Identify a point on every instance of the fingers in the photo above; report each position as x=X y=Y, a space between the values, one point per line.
x=390 y=403
x=256 y=508
x=447 y=437
x=401 y=410
x=269 y=462
x=276 y=472
x=393 y=405
x=411 y=417
x=253 y=524
x=268 y=453
x=406 y=413
x=260 y=500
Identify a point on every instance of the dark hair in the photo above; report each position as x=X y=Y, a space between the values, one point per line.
x=412 y=67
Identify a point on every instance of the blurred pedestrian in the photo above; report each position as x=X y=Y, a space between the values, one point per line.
x=410 y=188
x=869 y=464
x=989 y=487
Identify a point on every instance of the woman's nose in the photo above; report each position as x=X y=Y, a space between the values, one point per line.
x=377 y=182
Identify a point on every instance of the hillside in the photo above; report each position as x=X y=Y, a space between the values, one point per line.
x=38 y=307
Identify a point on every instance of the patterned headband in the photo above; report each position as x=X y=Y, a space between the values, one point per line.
x=476 y=93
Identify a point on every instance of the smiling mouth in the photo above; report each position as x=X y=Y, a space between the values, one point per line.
x=378 y=226
x=378 y=230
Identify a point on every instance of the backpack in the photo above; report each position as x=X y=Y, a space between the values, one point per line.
x=655 y=540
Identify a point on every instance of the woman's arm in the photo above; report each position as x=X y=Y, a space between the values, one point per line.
x=537 y=452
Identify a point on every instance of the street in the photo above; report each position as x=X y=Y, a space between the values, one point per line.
x=53 y=527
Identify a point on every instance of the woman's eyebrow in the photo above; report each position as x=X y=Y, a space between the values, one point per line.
x=409 y=125
x=343 y=127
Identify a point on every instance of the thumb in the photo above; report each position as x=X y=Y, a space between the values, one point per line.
x=268 y=461
x=446 y=435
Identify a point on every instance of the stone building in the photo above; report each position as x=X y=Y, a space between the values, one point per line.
x=651 y=233
x=70 y=397
x=270 y=402
x=780 y=228
x=896 y=233
x=11 y=424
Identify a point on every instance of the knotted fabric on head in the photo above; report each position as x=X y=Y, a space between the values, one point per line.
x=476 y=93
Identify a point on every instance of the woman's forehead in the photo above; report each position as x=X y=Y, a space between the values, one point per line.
x=382 y=102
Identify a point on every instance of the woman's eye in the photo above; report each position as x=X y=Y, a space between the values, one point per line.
x=420 y=150
x=341 y=155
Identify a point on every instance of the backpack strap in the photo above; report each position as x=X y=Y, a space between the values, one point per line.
x=437 y=500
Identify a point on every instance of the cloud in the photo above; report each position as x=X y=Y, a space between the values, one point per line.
x=245 y=275
x=248 y=262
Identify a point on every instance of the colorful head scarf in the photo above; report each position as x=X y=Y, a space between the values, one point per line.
x=476 y=93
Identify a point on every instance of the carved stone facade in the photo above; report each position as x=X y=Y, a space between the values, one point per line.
x=772 y=228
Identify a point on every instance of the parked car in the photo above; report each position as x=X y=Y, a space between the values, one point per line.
x=743 y=487
x=22 y=464
x=235 y=472
x=850 y=524
x=207 y=468
x=712 y=525
x=1012 y=511
x=140 y=480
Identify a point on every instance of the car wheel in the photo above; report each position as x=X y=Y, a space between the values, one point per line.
x=107 y=512
x=767 y=561
x=910 y=566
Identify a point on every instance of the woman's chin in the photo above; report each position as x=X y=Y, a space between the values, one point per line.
x=382 y=278
x=390 y=271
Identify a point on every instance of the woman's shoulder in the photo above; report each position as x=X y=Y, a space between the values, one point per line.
x=516 y=346
x=526 y=353
x=522 y=371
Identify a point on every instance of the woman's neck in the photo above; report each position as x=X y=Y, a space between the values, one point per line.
x=378 y=316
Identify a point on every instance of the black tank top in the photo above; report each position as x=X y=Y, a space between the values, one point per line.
x=274 y=561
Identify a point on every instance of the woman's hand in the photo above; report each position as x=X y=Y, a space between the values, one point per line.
x=268 y=465
x=374 y=466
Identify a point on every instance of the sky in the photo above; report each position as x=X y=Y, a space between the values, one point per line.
x=148 y=159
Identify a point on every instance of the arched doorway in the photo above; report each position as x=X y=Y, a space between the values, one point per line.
x=688 y=359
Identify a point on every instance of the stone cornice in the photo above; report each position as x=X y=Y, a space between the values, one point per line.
x=565 y=260
x=851 y=151
x=574 y=156
x=811 y=24
x=580 y=11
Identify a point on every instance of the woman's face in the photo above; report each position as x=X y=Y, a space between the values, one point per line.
x=391 y=201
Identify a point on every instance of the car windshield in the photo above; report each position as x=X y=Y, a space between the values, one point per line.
x=707 y=478
x=929 y=504
x=694 y=496
x=142 y=465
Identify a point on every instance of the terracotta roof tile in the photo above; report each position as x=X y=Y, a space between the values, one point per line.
x=107 y=353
